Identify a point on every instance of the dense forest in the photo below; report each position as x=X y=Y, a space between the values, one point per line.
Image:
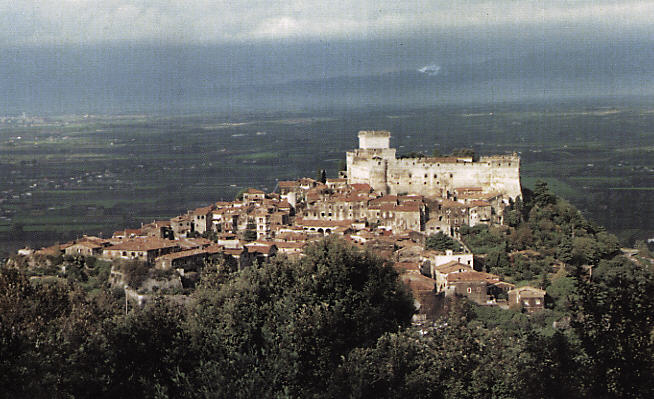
x=337 y=323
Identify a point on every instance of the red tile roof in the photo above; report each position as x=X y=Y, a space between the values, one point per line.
x=472 y=276
x=182 y=254
x=146 y=244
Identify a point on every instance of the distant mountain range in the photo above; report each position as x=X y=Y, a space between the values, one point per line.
x=168 y=79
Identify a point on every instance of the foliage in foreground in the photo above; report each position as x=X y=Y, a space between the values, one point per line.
x=335 y=324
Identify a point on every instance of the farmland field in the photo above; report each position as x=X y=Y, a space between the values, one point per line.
x=62 y=176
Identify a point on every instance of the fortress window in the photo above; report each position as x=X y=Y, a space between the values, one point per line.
x=509 y=164
x=450 y=175
x=424 y=183
x=425 y=175
x=435 y=175
x=409 y=175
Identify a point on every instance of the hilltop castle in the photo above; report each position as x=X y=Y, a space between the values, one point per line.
x=375 y=163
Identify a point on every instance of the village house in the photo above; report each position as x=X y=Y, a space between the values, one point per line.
x=187 y=260
x=252 y=194
x=471 y=284
x=528 y=298
x=143 y=249
x=84 y=248
x=202 y=219
x=181 y=225
x=440 y=273
x=433 y=259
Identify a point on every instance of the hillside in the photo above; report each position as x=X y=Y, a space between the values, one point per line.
x=336 y=323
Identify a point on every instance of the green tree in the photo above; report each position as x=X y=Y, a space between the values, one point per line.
x=149 y=352
x=322 y=176
x=284 y=328
x=614 y=315
x=441 y=242
x=463 y=152
x=542 y=194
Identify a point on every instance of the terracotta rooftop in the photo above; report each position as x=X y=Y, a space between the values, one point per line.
x=204 y=210
x=403 y=267
x=182 y=254
x=254 y=191
x=88 y=244
x=260 y=248
x=146 y=244
x=529 y=292
x=417 y=282
x=452 y=204
x=452 y=266
x=361 y=187
x=472 y=276
x=288 y=183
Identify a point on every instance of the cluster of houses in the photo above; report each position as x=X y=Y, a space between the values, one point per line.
x=363 y=206
x=262 y=225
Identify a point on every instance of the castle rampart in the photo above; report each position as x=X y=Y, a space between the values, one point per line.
x=377 y=165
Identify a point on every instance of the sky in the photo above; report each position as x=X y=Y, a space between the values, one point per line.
x=62 y=54
x=49 y=22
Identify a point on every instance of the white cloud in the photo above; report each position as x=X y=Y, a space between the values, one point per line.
x=90 y=21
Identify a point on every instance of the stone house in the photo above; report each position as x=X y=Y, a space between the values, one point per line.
x=252 y=194
x=84 y=248
x=145 y=250
x=529 y=298
x=202 y=219
x=440 y=273
x=471 y=284
x=181 y=225
x=433 y=259
x=187 y=260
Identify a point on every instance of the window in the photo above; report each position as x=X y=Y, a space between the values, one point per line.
x=469 y=290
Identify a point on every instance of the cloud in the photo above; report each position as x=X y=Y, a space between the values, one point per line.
x=430 y=70
x=207 y=21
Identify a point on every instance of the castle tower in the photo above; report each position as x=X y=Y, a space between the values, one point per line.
x=374 y=139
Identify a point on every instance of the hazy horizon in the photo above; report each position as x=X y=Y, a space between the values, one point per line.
x=156 y=56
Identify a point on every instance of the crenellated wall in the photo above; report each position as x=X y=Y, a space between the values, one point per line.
x=431 y=176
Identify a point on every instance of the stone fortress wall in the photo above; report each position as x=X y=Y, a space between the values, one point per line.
x=375 y=163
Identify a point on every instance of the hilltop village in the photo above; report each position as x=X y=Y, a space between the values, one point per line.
x=383 y=203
